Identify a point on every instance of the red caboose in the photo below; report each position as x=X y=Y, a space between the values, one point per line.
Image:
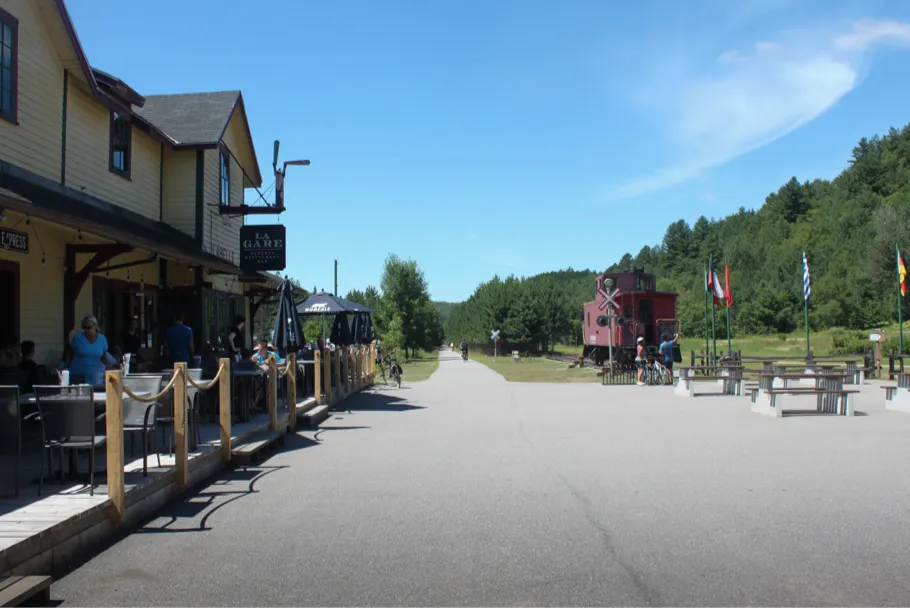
x=640 y=310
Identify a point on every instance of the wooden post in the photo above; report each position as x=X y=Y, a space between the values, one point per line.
x=181 y=449
x=272 y=395
x=346 y=368
x=338 y=395
x=372 y=364
x=359 y=368
x=292 y=389
x=224 y=408
x=327 y=376
x=116 y=489
x=317 y=376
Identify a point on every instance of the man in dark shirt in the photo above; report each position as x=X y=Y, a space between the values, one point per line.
x=178 y=341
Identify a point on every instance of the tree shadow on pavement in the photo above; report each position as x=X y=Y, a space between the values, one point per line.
x=376 y=402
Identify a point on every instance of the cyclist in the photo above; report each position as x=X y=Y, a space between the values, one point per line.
x=666 y=354
x=640 y=360
x=464 y=349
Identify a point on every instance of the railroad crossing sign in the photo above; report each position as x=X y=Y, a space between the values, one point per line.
x=494 y=335
x=609 y=299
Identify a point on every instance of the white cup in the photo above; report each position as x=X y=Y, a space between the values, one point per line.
x=65 y=377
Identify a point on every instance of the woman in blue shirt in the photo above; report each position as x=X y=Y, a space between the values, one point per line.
x=89 y=355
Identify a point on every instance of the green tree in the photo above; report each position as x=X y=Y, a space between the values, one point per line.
x=405 y=297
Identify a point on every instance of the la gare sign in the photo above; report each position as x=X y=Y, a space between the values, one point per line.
x=263 y=247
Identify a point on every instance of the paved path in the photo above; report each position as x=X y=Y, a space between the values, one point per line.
x=467 y=490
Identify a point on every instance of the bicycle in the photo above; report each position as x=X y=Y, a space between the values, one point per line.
x=395 y=371
x=658 y=375
x=464 y=356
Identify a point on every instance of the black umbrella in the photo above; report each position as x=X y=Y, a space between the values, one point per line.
x=357 y=328
x=369 y=334
x=288 y=334
x=341 y=332
x=326 y=304
x=362 y=328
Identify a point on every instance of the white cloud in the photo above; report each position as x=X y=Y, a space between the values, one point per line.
x=747 y=100
x=867 y=32
x=710 y=196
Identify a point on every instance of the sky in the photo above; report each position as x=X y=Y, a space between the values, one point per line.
x=485 y=137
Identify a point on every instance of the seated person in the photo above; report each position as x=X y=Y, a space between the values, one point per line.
x=209 y=363
x=261 y=356
x=29 y=366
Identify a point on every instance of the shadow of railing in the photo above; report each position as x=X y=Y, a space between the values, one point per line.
x=181 y=517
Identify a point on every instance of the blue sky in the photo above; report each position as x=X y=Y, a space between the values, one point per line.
x=483 y=137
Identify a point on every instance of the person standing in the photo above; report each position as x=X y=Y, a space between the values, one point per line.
x=178 y=342
x=640 y=360
x=666 y=354
x=89 y=355
x=235 y=342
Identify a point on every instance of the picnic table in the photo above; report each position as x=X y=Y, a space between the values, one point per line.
x=826 y=387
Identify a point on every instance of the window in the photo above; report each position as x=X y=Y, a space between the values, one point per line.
x=121 y=143
x=225 y=178
x=9 y=40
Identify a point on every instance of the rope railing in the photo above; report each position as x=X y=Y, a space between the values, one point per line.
x=212 y=383
x=136 y=397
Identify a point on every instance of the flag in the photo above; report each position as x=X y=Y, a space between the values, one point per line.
x=714 y=285
x=807 y=289
x=902 y=273
x=727 y=289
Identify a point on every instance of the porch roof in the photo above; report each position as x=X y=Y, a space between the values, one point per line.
x=40 y=197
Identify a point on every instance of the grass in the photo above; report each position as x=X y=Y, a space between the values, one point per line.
x=789 y=347
x=421 y=367
x=535 y=369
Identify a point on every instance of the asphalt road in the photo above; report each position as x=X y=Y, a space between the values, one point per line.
x=468 y=490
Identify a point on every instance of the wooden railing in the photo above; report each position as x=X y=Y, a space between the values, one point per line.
x=115 y=389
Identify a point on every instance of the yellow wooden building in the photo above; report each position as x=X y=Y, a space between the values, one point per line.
x=112 y=203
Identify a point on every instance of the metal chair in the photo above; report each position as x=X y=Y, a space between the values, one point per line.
x=11 y=429
x=68 y=422
x=139 y=417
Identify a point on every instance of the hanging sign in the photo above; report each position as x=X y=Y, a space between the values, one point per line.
x=263 y=247
x=13 y=240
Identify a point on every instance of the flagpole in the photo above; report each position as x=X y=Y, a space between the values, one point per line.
x=806 y=300
x=900 y=323
x=727 y=292
x=707 y=348
x=713 y=328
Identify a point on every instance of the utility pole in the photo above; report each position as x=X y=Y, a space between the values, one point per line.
x=336 y=278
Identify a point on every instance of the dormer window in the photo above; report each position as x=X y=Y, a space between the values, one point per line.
x=9 y=61
x=225 y=177
x=120 y=144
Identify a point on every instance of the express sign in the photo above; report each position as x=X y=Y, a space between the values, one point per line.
x=263 y=247
x=13 y=240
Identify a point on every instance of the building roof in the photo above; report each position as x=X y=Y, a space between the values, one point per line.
x=190 y=118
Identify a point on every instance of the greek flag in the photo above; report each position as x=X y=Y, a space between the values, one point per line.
x=807 y=289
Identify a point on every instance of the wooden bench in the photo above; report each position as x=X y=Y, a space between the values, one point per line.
x=17 y=590
x=767 y=400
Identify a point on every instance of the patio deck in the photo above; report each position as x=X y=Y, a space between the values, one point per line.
x=33 y=525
